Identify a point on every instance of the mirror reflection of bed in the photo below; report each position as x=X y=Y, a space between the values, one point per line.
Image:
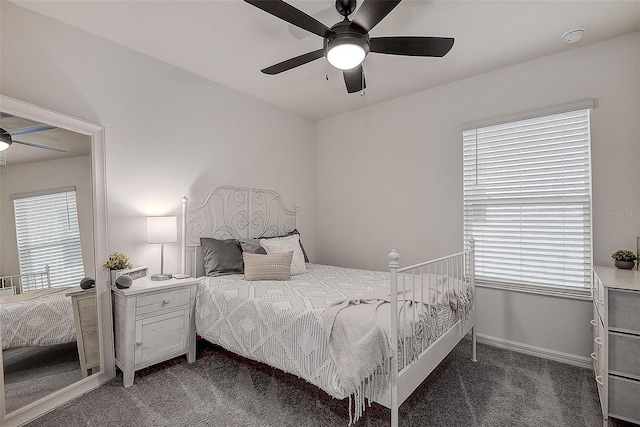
x=49 y=327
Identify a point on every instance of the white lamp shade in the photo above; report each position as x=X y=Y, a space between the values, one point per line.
x=162 y=229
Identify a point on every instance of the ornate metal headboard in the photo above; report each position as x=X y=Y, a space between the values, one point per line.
x=234 y=213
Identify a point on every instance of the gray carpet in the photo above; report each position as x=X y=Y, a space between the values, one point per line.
x=221 y=389
x=31 y=373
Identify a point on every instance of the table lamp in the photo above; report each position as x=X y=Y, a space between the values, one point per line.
x=162 y=229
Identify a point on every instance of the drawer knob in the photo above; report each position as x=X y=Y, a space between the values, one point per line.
x=138 y=343
x=594 y=356
x=165 y=301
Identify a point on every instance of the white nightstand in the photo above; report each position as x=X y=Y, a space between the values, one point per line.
x=153 y=322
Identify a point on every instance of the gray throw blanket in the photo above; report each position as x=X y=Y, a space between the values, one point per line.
x=358 y=332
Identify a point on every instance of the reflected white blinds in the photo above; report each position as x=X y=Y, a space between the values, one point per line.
x=527 y=200
x=47 y=232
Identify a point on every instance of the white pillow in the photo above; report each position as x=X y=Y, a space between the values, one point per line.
x=280 y=245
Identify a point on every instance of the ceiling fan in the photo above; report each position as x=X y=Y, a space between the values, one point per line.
x=6 y=138
x=347 y=43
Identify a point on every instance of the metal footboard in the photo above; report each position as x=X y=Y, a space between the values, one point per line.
x=446 y=280
x=20 y=283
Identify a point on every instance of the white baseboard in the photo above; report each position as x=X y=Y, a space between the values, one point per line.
x=545 y=353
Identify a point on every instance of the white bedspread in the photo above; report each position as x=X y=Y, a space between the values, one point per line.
x=281 y=323
x=37 y=318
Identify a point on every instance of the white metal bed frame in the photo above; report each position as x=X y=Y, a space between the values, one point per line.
x=12 y=285
x=243 y=212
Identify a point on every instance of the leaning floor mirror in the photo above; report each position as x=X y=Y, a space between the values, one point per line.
x=56 y=334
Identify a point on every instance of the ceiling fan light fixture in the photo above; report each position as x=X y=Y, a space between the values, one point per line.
x=5 y=139
x=346 y=56
x=346 y=50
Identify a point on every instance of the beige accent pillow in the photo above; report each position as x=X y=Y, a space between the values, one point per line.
x=267 y=267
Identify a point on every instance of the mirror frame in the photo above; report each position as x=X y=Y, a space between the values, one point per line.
x=103 y=289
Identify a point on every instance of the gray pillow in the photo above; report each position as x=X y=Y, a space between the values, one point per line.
x=306 y=258
x=221 y=257
x=252 y=246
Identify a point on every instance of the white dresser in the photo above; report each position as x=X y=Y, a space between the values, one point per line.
x=153 y=322
x=616 y=344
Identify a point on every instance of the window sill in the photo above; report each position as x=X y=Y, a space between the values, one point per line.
x=583 y=294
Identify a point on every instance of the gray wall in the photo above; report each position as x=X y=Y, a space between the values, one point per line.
x=169 y=133
x=390 y=176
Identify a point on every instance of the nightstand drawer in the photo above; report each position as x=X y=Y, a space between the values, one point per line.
x=624 y=307
x=162 y=300
x=624 y=353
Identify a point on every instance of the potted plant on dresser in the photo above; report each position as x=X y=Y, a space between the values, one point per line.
x=624 y=259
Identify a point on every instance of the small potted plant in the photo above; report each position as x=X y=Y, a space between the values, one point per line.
x=624 y=259
x=115 y=263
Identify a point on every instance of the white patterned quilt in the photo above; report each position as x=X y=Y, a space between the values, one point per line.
x=280 y=323
x=37 y=318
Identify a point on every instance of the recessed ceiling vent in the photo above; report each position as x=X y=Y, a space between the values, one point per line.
x=574 y=35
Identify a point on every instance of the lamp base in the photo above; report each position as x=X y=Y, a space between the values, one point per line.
x=158 y=277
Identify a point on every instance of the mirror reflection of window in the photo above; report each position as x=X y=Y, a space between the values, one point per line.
x=48 y=234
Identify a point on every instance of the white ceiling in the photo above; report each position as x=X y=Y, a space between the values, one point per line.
x=230 y=41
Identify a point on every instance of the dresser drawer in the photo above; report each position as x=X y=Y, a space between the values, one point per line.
x=624 y=398
x=624 y=354
x=624 y=309
x=162 y=300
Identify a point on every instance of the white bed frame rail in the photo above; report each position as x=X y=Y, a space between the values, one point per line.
x=458 y=269
x=20 y=283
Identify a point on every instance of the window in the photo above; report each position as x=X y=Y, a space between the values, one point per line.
x=47 y=233
x=527 y=201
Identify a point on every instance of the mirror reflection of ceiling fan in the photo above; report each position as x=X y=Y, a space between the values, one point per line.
x=25 y=141
x=6 y=138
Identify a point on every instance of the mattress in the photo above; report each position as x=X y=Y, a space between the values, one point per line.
x=280 y=323
x=37 y=318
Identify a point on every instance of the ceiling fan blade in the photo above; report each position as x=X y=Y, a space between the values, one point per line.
x=31 y=129
x=292 y=15
x=294 y=62
x=46 y=147
x=354 y=79
x=412 y=46
x=371 y=12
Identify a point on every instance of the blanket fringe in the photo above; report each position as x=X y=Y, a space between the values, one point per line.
x=371 y=388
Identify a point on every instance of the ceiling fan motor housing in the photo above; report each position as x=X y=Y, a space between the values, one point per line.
x=345 y=7
x=344 y=34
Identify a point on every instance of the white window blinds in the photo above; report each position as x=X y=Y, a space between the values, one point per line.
x=527 y=200
x=47 y=232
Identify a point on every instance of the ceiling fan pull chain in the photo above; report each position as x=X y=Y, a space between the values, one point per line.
x=326 y=70
x=362 y=77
